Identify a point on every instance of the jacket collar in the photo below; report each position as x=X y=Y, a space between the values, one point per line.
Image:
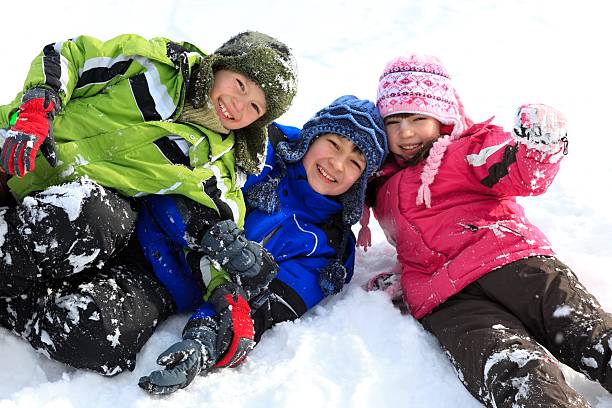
x=301 y=197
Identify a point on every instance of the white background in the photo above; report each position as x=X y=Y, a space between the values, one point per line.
x=356 y=350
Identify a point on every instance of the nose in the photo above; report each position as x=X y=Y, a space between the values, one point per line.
x=337 y=163
x=239 y=104
x=405 y=129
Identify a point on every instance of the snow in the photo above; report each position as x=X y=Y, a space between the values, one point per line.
x=356 y=350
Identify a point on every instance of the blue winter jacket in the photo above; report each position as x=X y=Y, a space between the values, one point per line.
x=302 y=237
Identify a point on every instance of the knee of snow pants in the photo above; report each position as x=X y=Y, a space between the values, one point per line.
x=98 y=322
x=495 y=355
x=60 y=232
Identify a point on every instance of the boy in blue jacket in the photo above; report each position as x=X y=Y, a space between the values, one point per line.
x=300 y=208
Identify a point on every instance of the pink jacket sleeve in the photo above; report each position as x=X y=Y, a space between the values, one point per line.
x=507 y=166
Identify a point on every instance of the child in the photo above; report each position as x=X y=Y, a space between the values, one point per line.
x=301 y=209
x=133 y=117
x=476 y=273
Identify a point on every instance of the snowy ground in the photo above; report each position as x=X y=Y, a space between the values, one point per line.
x=356 y=350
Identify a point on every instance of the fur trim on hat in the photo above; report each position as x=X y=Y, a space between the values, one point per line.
x=358 y=121
x=267 y=62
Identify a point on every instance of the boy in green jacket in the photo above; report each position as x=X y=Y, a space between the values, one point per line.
x=116 y=120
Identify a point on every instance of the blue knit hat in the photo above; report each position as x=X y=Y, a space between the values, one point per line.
x=357 y=120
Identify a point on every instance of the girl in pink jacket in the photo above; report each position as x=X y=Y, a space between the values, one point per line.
x=476 y=273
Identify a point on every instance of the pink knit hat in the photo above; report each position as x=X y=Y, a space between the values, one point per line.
x=421 y=84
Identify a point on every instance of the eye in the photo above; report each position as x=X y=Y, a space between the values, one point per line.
x=390 y=122
x=241 y=84
x=256 y=108
x=334 y=144
x=358 y=164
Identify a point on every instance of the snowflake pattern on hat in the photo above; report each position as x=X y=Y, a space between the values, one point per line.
x=419 y=84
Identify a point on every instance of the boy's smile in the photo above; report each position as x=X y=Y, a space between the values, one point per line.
x=407 y=133
x=238 y=101
x=333 y=164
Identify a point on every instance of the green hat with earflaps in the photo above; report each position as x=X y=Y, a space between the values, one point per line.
x=265 y=61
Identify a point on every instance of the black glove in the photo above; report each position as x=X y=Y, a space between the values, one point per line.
x=252 y=266
x=183 y=360
x=223 y=340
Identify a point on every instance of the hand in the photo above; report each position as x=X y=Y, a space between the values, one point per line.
x=540 y=127
x=250 y=264
x=209 y=340
x=32 y=131
x=183 y=360
x=235 y=327
x=388 y=282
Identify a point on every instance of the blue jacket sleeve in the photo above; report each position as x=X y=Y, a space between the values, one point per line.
x=168 y=261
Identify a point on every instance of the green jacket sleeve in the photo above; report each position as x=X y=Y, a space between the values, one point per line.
x=84 y=66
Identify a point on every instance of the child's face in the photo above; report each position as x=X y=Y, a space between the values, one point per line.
x=408 y=133
x=238 y=101
x=333 y=164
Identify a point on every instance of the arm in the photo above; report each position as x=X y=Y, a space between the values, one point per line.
x=298 y=287
x=526 y=161
x=219 y=334
x=85 y=66
x=65 y=70
x=167 y=225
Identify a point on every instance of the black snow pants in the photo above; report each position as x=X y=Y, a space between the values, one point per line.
x=73 y=283
x=60 y=232
x=506 y=332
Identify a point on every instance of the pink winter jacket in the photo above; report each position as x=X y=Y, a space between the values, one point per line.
x=474 y=224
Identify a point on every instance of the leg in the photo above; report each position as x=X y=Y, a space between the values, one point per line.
x=495 y=357
x=97 y=322
x=560 y=313
x=60 y=232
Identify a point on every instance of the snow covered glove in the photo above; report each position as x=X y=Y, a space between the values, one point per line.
x=249 y=263
x=184 y=361
x=32 y=131
x=541 y=127
x=209 y=340
x=236 y=332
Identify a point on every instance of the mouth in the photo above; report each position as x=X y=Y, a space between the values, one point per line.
x=410 y=149
x=224 y=111
x=326 y=175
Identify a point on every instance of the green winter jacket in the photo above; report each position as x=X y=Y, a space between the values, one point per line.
x=119 y=100
x=116 y=126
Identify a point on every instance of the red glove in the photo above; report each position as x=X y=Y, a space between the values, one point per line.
x=29 y=132
x=235 y=325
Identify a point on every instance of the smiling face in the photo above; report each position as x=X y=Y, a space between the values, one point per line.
x=407 y=133
x=238 y=101
x=333 y=164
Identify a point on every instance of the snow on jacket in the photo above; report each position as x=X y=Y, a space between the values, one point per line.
x=474 y=224
x=119 y=101
x=302 y=237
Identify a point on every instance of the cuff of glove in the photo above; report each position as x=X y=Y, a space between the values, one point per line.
x=219 y=296
x=43 y=93
x=552 y=147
